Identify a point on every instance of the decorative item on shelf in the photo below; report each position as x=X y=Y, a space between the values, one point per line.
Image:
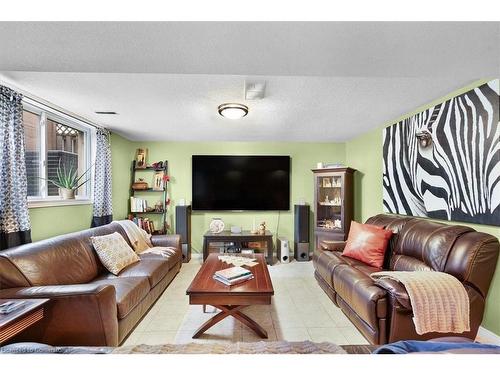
x=254 y=229
x=327 y=200
x=158 y=181
x=329 y=224
x=337 y=224
x=262 y=228
x=319 y=165
x=140 y=185
x=158 y=207
x=236 y=229
x=140 y=158
x=333 y=165
x=157 y=165
x=67 y=180
x=327 y=182
x=216 y=225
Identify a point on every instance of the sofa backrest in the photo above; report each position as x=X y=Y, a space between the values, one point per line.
x=421 y=244
x=394 y=223
x=61 y=260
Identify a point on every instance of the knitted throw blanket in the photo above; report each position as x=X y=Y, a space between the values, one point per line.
x=138 y=237
x=439 y=301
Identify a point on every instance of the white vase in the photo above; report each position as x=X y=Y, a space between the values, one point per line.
x=67 y=193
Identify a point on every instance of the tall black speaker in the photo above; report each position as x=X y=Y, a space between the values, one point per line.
x=183 y=227
x=301 y=233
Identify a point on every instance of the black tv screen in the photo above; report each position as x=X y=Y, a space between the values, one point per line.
x=241 y=183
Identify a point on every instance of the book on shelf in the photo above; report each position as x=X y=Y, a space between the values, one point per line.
x=138 y=205
x=144 y=223
x=233 y=281
x=233 y=273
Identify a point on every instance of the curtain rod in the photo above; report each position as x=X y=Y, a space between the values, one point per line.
x=51 y=106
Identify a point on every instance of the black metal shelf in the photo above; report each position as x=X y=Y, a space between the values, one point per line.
x=133 y=192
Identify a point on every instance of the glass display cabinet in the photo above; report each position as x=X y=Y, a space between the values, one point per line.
x=333 y=203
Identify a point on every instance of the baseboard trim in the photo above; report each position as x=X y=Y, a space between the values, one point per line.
x=487 y=337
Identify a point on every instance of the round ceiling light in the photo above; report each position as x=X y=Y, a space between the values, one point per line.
x=233 y=110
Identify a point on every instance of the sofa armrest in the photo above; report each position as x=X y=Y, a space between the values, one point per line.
x=166 y=240
x=397 y=291
x=80 y=314
x=332 y=245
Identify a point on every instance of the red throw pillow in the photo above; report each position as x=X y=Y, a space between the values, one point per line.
x=367 y=243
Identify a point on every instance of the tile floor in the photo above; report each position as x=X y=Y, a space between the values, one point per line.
x=300 y=310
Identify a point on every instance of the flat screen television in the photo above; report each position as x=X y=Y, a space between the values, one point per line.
x=258 y=183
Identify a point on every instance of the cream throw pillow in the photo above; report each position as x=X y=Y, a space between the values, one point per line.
x=114 y=252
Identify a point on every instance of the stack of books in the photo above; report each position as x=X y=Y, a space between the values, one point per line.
x=233 y=275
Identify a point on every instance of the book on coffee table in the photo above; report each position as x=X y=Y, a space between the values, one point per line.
x=233 y=281
x=233 y=273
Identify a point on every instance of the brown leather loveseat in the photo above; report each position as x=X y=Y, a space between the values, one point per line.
x=381 y=310
x=88 y=305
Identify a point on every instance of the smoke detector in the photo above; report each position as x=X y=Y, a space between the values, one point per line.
x=255 y=90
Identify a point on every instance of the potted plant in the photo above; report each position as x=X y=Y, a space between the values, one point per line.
x=68 y=181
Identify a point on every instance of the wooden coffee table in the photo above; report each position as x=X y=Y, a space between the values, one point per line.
x=204 y=290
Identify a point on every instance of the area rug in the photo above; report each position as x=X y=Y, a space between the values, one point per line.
x=261 y=347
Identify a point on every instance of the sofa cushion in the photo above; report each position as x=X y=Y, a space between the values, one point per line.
x=359 y=291
x=325 y=262
x=153 y=268
x=367 y=243
x=130 y=291
x=114 y=252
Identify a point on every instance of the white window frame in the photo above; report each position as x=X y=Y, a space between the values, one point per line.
x=46 y=112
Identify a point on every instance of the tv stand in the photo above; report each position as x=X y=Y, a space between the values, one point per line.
x=220 y=242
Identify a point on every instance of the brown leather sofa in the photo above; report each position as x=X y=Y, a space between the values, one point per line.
x=88 y=305
x=381 y=310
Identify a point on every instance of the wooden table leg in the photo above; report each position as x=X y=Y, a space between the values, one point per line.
x=237 y=314
x=226 y=311
x=250 y=323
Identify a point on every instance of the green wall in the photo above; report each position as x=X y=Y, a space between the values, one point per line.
x=364 y=153
x=304 y=157
x=47 y=222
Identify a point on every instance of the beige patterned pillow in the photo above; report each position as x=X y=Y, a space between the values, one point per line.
x=114 y=252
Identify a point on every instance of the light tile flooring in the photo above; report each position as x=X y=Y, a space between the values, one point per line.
x=300 y=310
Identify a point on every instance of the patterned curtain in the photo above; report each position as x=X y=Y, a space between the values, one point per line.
x=103 y=207
x=15 y=226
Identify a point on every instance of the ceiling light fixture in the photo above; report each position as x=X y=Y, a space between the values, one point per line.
x=233 y=110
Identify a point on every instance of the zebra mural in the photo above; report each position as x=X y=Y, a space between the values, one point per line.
x=444 y=162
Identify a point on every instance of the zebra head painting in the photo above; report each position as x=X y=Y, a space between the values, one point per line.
x=444 y=162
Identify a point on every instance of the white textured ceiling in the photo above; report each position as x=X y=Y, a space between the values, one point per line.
x=327 y=81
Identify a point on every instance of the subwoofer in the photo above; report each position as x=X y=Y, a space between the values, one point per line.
x=301 y=232
x=183 y=228
x=283 y=250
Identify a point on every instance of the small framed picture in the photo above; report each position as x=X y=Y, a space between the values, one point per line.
x=158 y=183
x=140 y=158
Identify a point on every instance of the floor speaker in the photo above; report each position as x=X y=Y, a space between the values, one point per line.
x=283 y=250
x=183 y=228
x=301 y=232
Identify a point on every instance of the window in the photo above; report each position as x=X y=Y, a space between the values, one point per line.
x=54 y=139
